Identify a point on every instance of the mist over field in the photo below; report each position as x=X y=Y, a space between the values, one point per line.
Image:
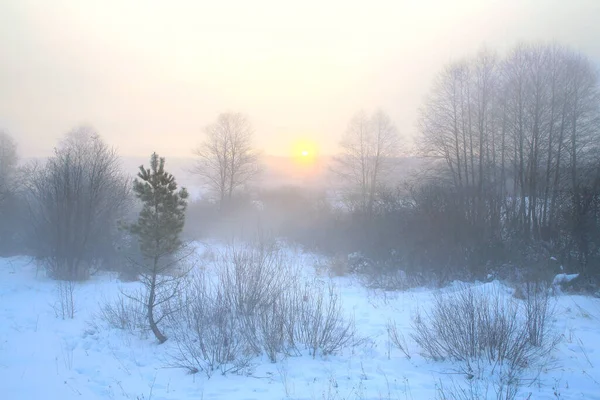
x=316 y=200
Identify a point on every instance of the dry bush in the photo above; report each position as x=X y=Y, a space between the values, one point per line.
x=254 y=278
x=322 y=326
x=125 y=313
x=472 y=326
x=397 y=338
x=276 y=325
x=206 y=335
x=64 y=306
x=481 y=328
x=538 y=310
x=255 y=303
x=254 y=281
x=233 y=314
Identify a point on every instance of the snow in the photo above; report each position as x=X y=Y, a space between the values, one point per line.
x=45 y=357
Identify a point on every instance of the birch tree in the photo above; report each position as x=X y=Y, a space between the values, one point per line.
x=226 y=160
x=368 y=153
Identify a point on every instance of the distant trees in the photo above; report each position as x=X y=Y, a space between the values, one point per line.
x=510 y=177
x=513 y=139
x=10 y=206
x=226 y=159
x=157 y=229
x=519 y=136
x=368 y=153
x=8 y=166
x=74 y=200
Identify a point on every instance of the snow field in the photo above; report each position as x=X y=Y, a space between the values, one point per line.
x=45 y=357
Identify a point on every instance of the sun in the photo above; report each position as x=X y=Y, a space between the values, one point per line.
x=304 y=152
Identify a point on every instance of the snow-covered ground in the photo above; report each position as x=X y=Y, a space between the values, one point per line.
x=45 y=357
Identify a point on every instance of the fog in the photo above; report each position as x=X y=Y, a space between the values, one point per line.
x=302 y=199
x=149 y=75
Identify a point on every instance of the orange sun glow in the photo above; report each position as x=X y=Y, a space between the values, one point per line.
x=304 y=152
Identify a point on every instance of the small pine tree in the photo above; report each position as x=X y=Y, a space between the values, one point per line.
x=157 y=229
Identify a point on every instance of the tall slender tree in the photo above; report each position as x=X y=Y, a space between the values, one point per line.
x=158 y=228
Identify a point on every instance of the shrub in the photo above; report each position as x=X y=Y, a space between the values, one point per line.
x=64 y=306
x=473 y=325
x=255 y=303
x=397 y=338
x=126 y=312
x=322 y=326
x=206 y=335
x=538 y=309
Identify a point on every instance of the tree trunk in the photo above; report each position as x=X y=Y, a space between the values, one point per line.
x=151 y=301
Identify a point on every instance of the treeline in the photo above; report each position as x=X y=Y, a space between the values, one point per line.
x=509 y=182
x=78 y=212
x=73 y=211
x=519 y=135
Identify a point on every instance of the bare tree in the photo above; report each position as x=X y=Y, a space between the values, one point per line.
x=442 y=122
x=226 y=159
x=75 y=199
x=519 y=136
x=368 y=151
x=583 y=129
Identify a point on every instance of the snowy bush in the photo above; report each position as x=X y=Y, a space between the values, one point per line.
x=322 y=326
x=538 y=310
x=254 y=304
x=206 y=335
x=64 y=306
x=396 y=338
x=471 y=325
x=126 y=312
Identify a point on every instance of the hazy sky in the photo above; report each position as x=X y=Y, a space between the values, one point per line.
x=149 y=74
